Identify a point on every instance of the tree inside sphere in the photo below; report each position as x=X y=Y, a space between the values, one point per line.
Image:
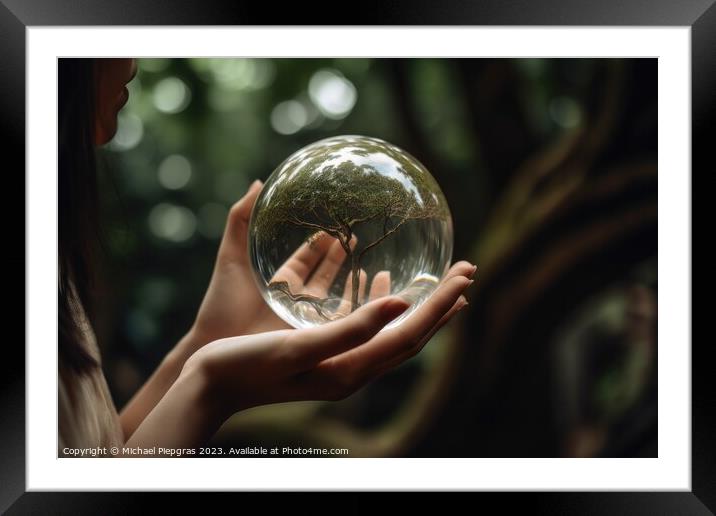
x=344 y=221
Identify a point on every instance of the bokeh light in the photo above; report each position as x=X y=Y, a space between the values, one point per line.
x=171 y=95
x=171 y=222
x=565 y=112
x=242 y=74
x=174 y=172
x=289 y=117
x=130 y=131
x=332 y=93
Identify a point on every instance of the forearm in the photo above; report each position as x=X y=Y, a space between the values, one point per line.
x=144 y=401
x=185 y=417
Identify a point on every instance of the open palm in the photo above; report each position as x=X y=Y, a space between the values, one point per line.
x=233 y=304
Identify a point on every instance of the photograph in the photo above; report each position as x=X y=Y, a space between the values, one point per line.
x=357 y=257
x=428 y=249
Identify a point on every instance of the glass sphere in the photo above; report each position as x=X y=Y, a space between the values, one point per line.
x=344 y=221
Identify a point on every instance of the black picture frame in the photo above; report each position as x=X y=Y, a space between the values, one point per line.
x=17 y=15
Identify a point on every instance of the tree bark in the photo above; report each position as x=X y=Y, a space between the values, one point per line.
x=355 y=281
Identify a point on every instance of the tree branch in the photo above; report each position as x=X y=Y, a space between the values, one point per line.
x=385 y=235
x=334 y=232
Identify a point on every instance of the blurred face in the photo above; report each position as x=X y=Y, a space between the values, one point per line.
x=111 y=78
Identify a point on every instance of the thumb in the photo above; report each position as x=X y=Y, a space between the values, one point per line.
x=239 y=214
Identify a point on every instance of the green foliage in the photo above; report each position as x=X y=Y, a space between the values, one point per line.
x=336 y=198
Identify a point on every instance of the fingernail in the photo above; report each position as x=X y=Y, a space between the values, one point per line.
x=461 y=303
x=471 y=282
x=255 y=184
x=474 y=268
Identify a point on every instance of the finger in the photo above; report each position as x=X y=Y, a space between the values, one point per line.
x=380 y=286
x=405 y=337
x=301 y=263
x=461 y=268
x=400 y=358
x=334 y=379
x=344 y=308
x=233 y=244
x=428 y=315
x=326 y=272
x=310 y=346
x=341 y=375
x=459 y=305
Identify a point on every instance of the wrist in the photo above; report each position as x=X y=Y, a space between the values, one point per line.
x=199 y=388
x=185 y=417
x=185 y=348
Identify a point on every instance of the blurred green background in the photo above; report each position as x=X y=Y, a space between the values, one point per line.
x=549 y=167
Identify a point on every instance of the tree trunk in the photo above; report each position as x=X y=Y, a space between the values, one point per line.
x=355 y=281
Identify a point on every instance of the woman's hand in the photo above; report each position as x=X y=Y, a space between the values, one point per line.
x=327 y=362
x=233 y=304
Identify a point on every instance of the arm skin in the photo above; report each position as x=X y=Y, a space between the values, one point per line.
x=232 y=306
x=157 y=385
x=184 y=418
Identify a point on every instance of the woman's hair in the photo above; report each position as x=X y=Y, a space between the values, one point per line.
x=77 y=206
